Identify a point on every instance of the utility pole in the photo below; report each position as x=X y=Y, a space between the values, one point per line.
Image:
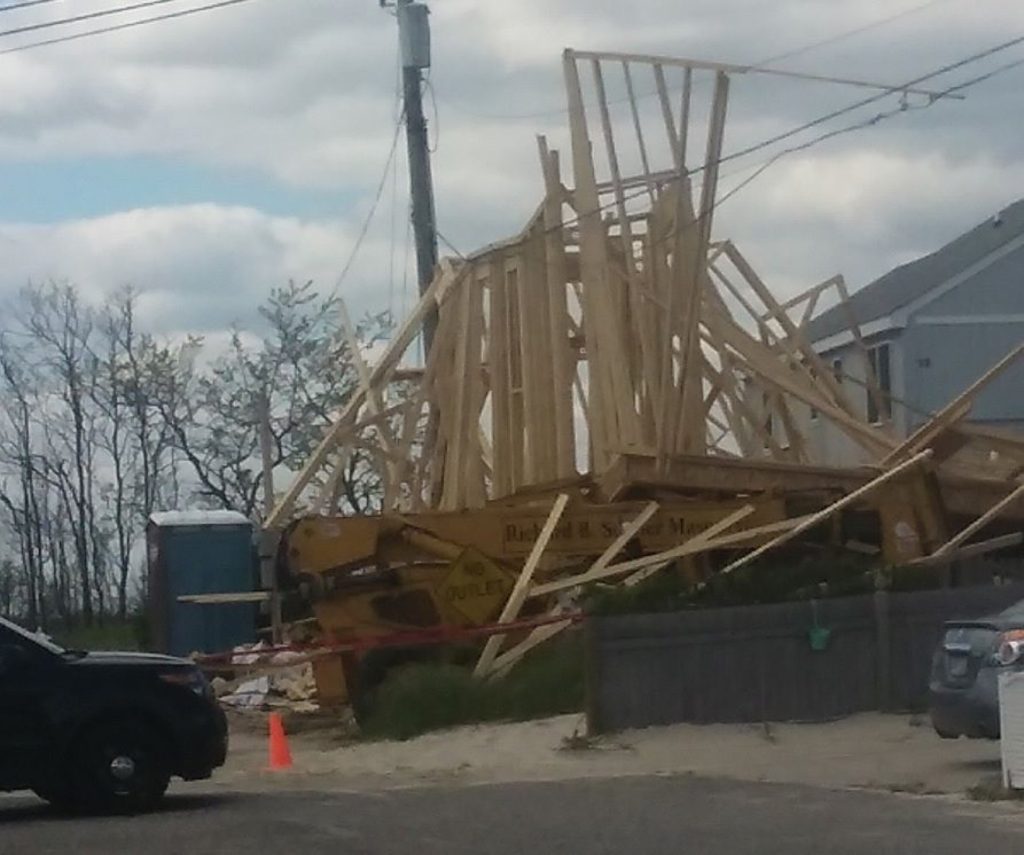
x=414 y=41
x=268 y=539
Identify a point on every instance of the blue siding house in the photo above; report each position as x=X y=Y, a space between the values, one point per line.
x=932 y=327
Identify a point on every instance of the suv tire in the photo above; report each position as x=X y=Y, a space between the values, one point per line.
x=119 y=767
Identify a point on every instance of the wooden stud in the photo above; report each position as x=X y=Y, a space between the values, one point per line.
x=706 y=536
x=395 y=350
x=638 y=130
x=728 y=68
x=670 y=122
x=558 y=315
x=831 y=510
x=726 y=541
x=521 y=589
x=953 y=412
x=967 y=533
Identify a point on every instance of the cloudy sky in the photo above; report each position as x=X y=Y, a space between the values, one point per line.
x=206 y=159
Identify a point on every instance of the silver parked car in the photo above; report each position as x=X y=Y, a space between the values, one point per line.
x=964 y=686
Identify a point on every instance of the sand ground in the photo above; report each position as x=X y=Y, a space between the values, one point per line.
x=887 y=752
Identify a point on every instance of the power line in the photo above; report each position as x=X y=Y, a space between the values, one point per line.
x=87 y=16
x=167 y=16
x=373 y=208
x=761 y=168
x=393 y=241
x=856 y=31
x=867 y=123
x=24 y=5
x=981 y=78
x=873 y=98
x=874 y=120
x=760 y=64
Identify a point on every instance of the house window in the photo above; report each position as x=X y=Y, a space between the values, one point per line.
x=881 y=369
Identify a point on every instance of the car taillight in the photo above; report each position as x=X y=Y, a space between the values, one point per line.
x=1011 y=647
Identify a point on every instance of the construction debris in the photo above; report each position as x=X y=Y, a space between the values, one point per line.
x=615 y=335
x=282 y=681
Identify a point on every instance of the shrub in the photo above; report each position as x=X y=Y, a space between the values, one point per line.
x=420 y=697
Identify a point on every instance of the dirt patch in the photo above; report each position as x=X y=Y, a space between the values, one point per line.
x=884 y=752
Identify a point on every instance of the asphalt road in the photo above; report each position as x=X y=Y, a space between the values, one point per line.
x=634 y=815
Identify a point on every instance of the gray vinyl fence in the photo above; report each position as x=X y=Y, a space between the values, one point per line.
x=758 y=663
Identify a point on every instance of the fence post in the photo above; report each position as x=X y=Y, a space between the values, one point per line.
x=591 y=676
x=883 y=650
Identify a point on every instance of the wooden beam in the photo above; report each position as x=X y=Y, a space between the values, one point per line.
x=388 y=361
x=953 y=412
x=222 y=599
x=726 y=541
x=538 y=635
x=670 y=121
x=761 y=361
x=541 y=634
x=521 y=589
x=728 y=68
x=703 y=537
x=794 y=342
x=371 y=394
x=690 y=418
x=831 y=510
x=638 y=129
x=972 y=550
x=558 y=318
x=981 y=521
x=604 y=422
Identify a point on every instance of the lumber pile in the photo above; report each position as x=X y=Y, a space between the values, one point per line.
x=617 y=345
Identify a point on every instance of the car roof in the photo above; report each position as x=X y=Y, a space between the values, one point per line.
x=1014 y=611
x=34 y=637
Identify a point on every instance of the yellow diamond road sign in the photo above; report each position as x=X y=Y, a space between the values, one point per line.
x=476 y=587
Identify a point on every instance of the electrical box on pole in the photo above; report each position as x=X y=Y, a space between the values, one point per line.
x=414 y=35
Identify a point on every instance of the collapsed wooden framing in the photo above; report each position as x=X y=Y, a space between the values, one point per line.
x=616 y=326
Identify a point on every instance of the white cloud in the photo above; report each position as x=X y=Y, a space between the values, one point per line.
x=200 y=267
x=302 y=92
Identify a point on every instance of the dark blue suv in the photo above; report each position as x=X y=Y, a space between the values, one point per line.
x=102 y=731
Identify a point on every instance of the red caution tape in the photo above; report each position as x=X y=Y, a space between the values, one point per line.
x=407 y=638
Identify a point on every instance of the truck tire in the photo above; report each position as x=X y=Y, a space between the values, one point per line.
x=119 y=767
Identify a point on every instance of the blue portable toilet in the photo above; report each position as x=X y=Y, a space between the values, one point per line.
x=200 y=552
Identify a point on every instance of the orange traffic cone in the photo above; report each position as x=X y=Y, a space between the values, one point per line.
x=280 y=755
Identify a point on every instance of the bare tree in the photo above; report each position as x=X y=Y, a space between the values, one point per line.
x=303 y=372
x=101 y=424
x=19 y=494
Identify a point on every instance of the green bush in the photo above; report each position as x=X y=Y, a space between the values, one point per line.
x=421 y=697
x=777 y=578
x=109 y=635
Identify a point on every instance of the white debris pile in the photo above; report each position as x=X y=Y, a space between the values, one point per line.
x=282 y=685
